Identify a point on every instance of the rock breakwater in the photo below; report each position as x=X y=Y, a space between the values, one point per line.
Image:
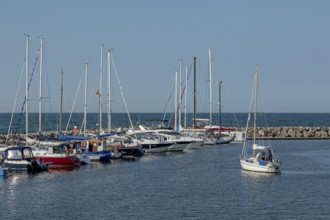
x=291 y=132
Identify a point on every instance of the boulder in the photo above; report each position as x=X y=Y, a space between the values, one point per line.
x=308 y=134
x=284 y=133
x=299 y=134
x=292 y=132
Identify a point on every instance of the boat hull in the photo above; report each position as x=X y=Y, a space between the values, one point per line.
x=223 y=140
x=178 y=146
x=195 y=145
x=156 y=148
x=101 y=156
x=84 y=158
x=254 y=165
x=131 y=151
x=59 y=161
x=24 y=166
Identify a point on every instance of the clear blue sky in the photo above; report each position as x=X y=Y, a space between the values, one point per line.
x=289 y=40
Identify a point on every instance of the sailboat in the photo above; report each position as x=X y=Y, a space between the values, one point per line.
x=263 y=158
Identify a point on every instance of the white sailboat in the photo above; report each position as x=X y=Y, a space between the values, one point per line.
x=263 y=158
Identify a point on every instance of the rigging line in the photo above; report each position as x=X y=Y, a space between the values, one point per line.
x=182 y=95
x=121 y=91
x=231 y=109
x=262 y=115
x=168 y=101
x=249 y=116
x=15 y=102
x=29 y=84
x=74 y=102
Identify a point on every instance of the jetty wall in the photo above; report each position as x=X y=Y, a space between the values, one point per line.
x=290 y=132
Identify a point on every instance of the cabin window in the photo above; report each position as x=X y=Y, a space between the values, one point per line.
x=27 y=153
x=14 y=154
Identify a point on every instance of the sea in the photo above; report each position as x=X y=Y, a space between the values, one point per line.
x=205 y=183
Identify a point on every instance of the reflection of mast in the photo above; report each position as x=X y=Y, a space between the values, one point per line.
x=195 y=92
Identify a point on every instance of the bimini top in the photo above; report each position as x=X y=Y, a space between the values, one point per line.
x=18 y=153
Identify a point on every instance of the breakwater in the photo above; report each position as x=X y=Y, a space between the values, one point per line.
x=292 y=132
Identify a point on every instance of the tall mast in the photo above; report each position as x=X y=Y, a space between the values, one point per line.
x=180 y=91
x=210 y=79
x=195 y=92
x=176 y=102
x=100 y=92
x=220 y=116
x=61 y=104
x=255 y=105
x=185 y=99
x=26 y=87
x=85 y=104
x=40 y=83
x=109 y=95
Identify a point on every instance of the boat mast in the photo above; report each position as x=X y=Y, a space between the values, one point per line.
x=176 y=102
x=255 y=106
x=220 y=116
x=26 y=87
x=185 y=99
x=210 y=79
x=109 y=97
x=100 y=91
x=180 y=91
x=61 y=104
x=40 y=84
x=195 y=92
x=85 y=104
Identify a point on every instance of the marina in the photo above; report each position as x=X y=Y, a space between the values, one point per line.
x=205 y=183
x=144 y=110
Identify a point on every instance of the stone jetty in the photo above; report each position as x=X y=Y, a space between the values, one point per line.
x=298 y=132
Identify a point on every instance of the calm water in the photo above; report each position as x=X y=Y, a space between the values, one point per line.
x=207 y=183
x=50 y=121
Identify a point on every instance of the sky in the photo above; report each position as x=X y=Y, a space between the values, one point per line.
x=288 y=40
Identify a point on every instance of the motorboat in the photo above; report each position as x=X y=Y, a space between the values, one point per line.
x=20 y=158
x=59 y=156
